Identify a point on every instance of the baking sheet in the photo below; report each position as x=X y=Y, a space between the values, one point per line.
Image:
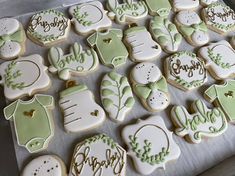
x=194 y=159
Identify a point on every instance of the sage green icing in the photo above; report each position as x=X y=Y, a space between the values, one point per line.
x=134 y=30
x=18 y=36
x=159 y=7
x=73 y=90
x=189 y=30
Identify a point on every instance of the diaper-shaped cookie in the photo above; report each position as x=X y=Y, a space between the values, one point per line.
x=48 y=27
x=98 y=155
x=150 y=144
x=89 y=17
x=78 y=62
x=159 y=7
x=80 y=110
x=192 y=27
x=150 y=86
x=12 y=38
x=45 y=165
x=32 y=121
x=179 y=5
x=24 y=76
x=185 y=70
x=116 y=96
x=219 y=59
x=127 y=11
x=219 y=17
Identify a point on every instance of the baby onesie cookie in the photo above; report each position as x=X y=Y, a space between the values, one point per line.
x=128 y=11
x=89 y=17
x=109 y=46
x=150 y=86
x=24 y=76
x=219 y=59
x=48 y=27
x=159 y=7
x=219 y=17
x=32 y=121
x=46 y=165
x=192 y=28
x=98 y=155
x=81 y=112
x=116 y=96
x=150 y=144
x=207 y=2
x=185 y=70
x=12 y=38
x=179 y=5
x=203 y=122
x=141 y=45
x=165 y=33
x=78 y=62
x=223 y=96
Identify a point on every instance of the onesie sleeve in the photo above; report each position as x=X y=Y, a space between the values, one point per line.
x=92 y=39
x=211 y=93
x=10 y=110
x=45 y=100
x=117 y=32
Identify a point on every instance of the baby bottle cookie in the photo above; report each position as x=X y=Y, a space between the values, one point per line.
x=33 y=121
x=159 y=7
x=48 y=27
x=12 y=38
x=80 y=110
x=89 y=17
x=77 y=62
x=179 y=5
x=150 y=144
x=150 y=86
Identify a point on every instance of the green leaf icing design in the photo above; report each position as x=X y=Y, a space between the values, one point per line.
x=81 y=17
x=116 y=95
x=203 y=122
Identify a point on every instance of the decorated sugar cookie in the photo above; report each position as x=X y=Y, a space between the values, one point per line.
x=233 y=41
x=150 y=86
x=159 y=7
x=81 y=112
x=12 y=38
x=150 y=144
x=109 y=46
x=141 y=45
x=46 y=165
x=207 y=2
x=203 y=122
x=128 y=11
x=116 y=96
x=219 y=17
x=179 y=5
x=219 y=59
x=48 y=27
x=98 y=155
x=89 y=17
x=192 y=28
x=77 y=62
x=33 y=121
x=165 y=33
x=24 y=76
x=223 y=96
x=185 y=70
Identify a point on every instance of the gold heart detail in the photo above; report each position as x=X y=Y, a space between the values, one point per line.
x=29 y=113
x=95 y=113
x=107 y=40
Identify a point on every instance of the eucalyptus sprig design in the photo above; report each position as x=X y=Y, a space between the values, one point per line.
x=81 y=17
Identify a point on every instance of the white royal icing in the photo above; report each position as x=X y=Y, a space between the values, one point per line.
x=150 y=144
x=188 y=18
x=8 y=26
x=185 y=4
x=233 y=41
x=207 y=2
x=89 y=17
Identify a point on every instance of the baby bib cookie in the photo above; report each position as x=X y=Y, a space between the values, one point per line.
x=98 y=155
x=116 y=96
x=46 y=165
x=219 y=59
x=109 y=46
x=159 y=7
x=165 y=33
x=32 y=121
x=128 y=11
x=207 y=2
x=150 y=144
x=141 y=45
x=203 y=122
x=179 y=5
x=89 y=17
x=185 y=70
x=12 y=38
x=192 y=28
x=80 y=110
x=78 y=62
x=48 y=27
x=150 y=86
x=24 y=76
x=219 y=17
x=223 y=96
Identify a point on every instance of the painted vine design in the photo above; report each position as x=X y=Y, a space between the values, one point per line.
x=107 y=140
x=81 y=18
